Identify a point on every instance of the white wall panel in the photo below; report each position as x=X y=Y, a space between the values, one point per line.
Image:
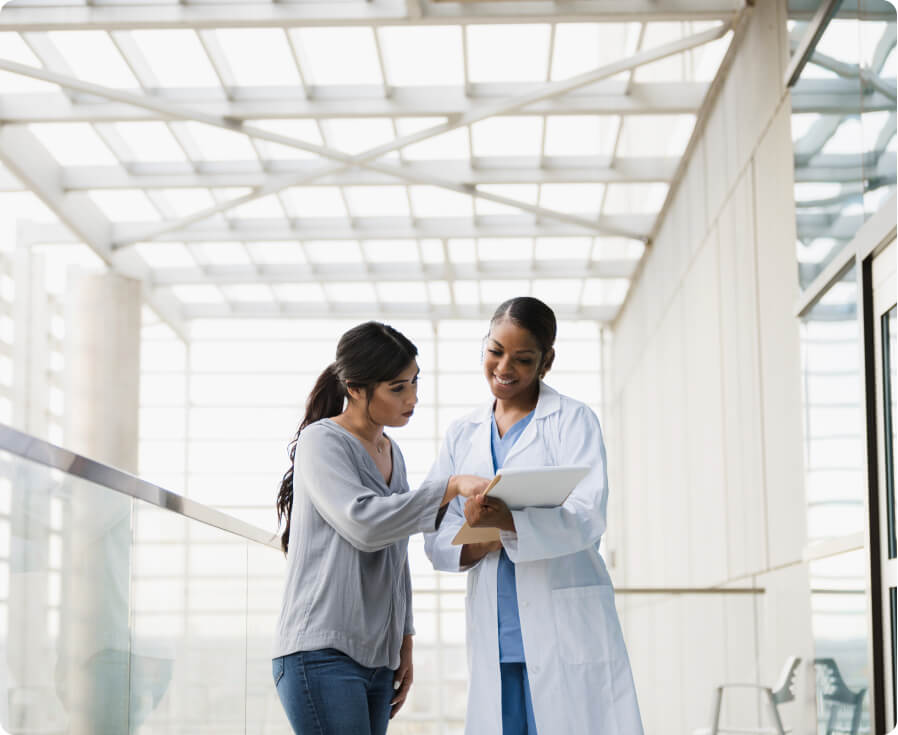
x=676 y=531
x=780 y=364
x=704 y=418
x=741 y=385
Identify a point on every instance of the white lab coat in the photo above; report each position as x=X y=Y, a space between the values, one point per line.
x=580 y=677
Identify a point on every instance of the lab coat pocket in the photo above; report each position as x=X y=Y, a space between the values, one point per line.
x=581 y=623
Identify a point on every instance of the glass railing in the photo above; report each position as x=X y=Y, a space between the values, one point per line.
x=125 y=608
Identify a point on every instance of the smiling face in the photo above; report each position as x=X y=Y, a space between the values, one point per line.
x=513 y=362
x=393 y=401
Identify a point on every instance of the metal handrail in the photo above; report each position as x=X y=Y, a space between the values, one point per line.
x=43 y=452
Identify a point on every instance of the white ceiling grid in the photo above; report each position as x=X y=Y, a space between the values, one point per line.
x=357 y=158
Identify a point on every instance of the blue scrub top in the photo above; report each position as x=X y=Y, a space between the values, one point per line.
x=511 y=647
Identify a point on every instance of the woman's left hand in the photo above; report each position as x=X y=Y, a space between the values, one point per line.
x=402 y=679
x=483 y=511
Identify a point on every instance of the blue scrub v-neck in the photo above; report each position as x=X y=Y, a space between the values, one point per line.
x=511 y=646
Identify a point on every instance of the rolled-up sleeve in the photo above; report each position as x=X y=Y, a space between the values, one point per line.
x=364 y=517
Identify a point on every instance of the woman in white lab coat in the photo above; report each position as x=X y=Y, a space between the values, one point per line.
x=545 y=650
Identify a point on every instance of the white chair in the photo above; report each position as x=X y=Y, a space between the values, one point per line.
x=782 y=692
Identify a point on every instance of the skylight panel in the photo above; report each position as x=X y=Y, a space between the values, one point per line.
x=582 y=47
x=432 y=201
x=338 y=55
x=150 y=142
x=432 y=251
x=125 y=205
x=635 y=198
x=73 y=144
x=15 y=49
x=605 y=291
x=572 y=198
x=258 y=57
x=248 y=292
x=438 y=293
x=165 y=254
x=220 y=253
x=515 y=249
x=197 y=294
x=299 y=292
x=391 y=251
x=377 y=201
x=563 y=248
x=558 y=290
x=333 y=251
x=655 y=135
x=462 y=250
x=847 y=138
x=493 y=293
x=466 y=292
x=216 y=144
x=94 y=58
x=354 y=135
x=522 y=192
x=187 y=201
x=417 y=55
x=507 y=136
x=581 y=135
x=357 y=292
x=679 y=67
x=267 y=207
x=287 y=253
x=508 y=53
x=617 y=248
x=841 y=40
x=304 y=130
x=405 y=292
x=452 y=145
x=314 y=201
x=177 y=58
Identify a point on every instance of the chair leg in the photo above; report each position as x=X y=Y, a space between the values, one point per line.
x=715 y=710
x=774 y=712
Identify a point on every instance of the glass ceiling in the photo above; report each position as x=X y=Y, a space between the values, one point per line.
x=357 y=158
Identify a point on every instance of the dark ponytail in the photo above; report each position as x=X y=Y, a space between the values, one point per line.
x=368 y=354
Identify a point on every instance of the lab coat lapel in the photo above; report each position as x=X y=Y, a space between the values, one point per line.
x=480 y=460
x=547 y=403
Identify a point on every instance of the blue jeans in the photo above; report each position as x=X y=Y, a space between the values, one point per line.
x=328 y=693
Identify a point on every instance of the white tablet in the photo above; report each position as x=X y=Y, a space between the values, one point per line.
x=525 y=487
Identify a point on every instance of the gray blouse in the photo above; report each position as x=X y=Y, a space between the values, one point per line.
x=348 y=583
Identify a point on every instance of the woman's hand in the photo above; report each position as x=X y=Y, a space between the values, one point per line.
x=483 y=511
x=402 y=678
x=473 y=553
x=465 y=485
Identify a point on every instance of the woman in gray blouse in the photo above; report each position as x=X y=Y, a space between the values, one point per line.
x=343 y=649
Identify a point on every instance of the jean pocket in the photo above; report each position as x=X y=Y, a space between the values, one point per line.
x=277 y=670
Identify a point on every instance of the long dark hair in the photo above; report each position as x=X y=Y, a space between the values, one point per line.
x=368 y=354
x=534 y=316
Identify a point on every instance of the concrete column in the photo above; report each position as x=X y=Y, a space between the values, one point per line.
x=102 y=355
x=102 y=358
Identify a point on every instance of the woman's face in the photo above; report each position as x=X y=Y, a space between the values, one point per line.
x=393 y=401
x=511 y=361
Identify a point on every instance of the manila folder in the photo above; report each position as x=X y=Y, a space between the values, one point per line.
x=523 y=487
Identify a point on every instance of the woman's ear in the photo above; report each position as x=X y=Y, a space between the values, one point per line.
x=547 y=362
x=356 y=392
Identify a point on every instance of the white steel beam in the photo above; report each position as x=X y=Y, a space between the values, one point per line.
x=808 y=42
x=389 y=272
x=22 y=17
x=370 y=310
x=514 y=170
x=366 y=158
x=361 y=228
x=78 y=216
x=838 y=97
x=607 y=98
